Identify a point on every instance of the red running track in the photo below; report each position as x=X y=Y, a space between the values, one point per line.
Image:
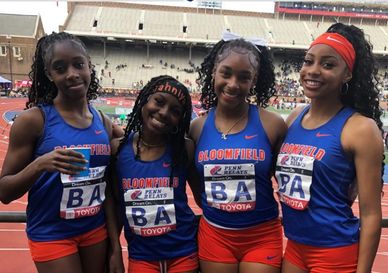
x=14 y=252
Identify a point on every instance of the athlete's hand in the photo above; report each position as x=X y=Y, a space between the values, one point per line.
x=117 y=131
x=116 y=264
x=62 y=160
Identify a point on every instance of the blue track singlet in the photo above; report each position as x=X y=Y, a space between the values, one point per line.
x=158 y=222
x=236 y=174
x=62 y=206
x=315 y=180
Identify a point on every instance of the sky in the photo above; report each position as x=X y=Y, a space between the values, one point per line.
x=53 y=13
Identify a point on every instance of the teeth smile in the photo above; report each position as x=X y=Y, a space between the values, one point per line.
x=229 y=95
x=161 y=123
x=313 y=83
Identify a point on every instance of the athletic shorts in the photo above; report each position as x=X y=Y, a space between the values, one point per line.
x=181 y=264
x=52 y=250
x=322 y=259
x=262 y=243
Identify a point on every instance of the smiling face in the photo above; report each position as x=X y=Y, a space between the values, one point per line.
x=234 y=75
x=323 y=72
x=69 y=68
x=161 y=114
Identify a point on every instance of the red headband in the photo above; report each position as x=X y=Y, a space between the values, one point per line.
x=172 y=88
x=340 y=44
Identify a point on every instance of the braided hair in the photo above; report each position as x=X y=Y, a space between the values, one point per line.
x=177 y=140
x=264 y=87
x=362 y=95
x=42 y=90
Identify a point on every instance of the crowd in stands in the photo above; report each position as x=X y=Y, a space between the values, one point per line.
x=287 y=81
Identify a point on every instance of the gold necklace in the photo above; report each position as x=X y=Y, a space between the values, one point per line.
x=225 y=135
x=149 y=145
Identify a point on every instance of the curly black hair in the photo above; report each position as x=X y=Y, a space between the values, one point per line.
x=264 y=87
x=176 y=139
x=362 y=95
x=42 y=90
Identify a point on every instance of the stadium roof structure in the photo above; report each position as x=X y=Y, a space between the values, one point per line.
x=19 y=25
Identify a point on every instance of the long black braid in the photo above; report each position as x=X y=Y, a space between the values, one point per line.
x=176 y=139
x=362 y=94
x=42 y=90
x=264 y=87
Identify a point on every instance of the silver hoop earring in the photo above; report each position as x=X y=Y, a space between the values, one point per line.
x=175 y=130
x=252 y=90
x=345 y=90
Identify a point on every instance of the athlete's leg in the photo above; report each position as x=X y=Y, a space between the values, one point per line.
x=248 y=267
x=192 y=271
x=212 y=267
x=93 y=257
x=68 y=264
x=294 y=258
x=288 y=267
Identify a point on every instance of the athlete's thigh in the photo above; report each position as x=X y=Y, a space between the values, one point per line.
x=288 y=267
x=191 y=271
x=212 y=267
x=249 y=267
x=67 y=264
x=94 y=257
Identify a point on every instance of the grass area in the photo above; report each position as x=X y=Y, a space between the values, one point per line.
x=279 y=111
x=107 y=109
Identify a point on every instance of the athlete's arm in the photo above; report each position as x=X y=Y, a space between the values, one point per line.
x=20 y=170
x=196 y=128
x=362 y=139
x=276 y=129
x=111 y=206
x=193 y=177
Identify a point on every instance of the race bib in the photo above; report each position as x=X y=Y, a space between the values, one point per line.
x=230 y=187
x=82 y=196
x=294 y=175
x=150 y=211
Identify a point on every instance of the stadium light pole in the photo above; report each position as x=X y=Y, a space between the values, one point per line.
x=8 y=37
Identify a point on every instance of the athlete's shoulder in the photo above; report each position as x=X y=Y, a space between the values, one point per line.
x=273 y=124
x=196 y=127
x=361 y=131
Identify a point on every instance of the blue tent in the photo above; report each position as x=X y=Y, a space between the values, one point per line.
x=4 y=80
x=5 y=85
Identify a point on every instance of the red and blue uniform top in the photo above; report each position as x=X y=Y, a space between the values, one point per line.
x=316 y=181
x=158 y=222
x=63 y=206
x=236 y=174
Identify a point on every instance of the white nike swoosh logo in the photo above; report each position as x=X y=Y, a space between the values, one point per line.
x=333 y=39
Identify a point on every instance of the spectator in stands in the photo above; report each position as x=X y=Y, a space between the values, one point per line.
x=66 y=225
x=236 y=143
x=151 y=167
x=334 y=147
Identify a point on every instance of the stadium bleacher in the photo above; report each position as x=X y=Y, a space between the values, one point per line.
x=132 y=38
